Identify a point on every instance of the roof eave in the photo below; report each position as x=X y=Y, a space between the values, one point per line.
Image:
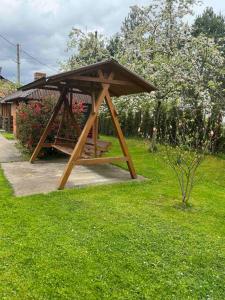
x=145 y=86
x=34 y=84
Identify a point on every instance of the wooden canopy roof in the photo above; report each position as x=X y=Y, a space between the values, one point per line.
x=86 y=80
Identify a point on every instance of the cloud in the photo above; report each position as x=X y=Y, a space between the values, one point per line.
x=41 y=28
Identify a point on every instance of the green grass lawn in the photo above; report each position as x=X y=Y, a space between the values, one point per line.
x=8 y=135
x=123 y=241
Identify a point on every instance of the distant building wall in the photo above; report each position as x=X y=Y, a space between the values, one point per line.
x=13 y=112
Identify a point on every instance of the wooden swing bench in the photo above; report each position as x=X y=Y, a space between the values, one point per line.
x=101 y=81
x=66 y=146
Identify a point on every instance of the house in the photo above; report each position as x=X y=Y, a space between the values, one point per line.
x=5 y=109
x=9 y=104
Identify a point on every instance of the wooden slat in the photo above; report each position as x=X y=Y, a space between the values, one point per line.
x=99 y=160
x=89 y=149
x=62 y=148
x=47 y=145
x=65 y=139
x=68 y=149
x=102 y=145
x=50 y=145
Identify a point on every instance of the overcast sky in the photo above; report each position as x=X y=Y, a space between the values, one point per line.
x=41 y=27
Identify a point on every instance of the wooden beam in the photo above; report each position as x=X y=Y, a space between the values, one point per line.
x=120 y=135
x=50 y=88
x=67 y=149
x=70 y=89
x=100 y=160
x=52 y=145
x=58 y=88
x=48 y=127
x=82 y=139
x=123 y=145
x=84 y=90
x=101 y=80
x=94 y=128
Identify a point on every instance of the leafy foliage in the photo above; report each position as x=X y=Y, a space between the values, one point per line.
x=156 y=42
x=209 y=24
x=86 y=49
x=186 y=149
x=31 y=120
x=7 y=87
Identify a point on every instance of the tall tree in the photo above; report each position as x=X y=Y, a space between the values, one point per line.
x=7 y=87
x=85 y=48
x=209 y=24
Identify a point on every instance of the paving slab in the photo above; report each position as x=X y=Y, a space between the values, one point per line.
x=8 y=151
x=43 y=176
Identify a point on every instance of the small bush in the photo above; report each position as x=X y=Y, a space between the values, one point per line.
x=32 y=119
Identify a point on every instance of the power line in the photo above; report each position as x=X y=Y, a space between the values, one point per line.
x=28 y=54
x=4 y=38
x=37 y=60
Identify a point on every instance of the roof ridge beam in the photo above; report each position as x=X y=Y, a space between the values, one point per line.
x=99 y=80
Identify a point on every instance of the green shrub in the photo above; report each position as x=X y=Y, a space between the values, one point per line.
x=32 y=119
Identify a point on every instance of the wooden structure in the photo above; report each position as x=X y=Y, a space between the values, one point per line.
x=102 y=81
x=10 y=102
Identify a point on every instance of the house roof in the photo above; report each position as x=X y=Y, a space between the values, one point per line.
x=132 y=83
x=3 y=78
x=39 y=94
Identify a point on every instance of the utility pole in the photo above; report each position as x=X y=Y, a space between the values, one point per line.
x=18 y=62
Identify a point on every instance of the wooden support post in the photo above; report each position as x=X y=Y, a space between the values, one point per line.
x=99 y=160
x=83 y=137
x=48 y=127
x=71 y=99
x=120 y=135
x=119 y=132
x=94 y=128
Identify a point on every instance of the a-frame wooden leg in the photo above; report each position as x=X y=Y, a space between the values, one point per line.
x=119 y=132
x=83 y=137
x=48 y=127
x=120 y=135
x=95 y=136
x=94 y=128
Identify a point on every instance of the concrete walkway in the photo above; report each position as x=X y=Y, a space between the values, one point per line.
x=8 y=151
x=43 y=176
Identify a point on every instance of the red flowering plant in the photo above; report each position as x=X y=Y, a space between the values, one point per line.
x=78 y=108
x=32 y=118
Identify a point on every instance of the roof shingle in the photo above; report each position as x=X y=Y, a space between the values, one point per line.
x=39 y=94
